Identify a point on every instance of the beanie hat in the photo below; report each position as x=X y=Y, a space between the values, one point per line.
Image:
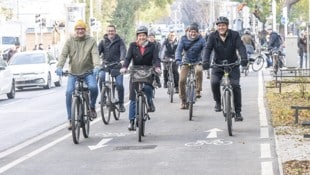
x=80 y=23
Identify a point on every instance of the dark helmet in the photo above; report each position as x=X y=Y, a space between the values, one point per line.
x=222 y=19
x=142 y=29
x=194 y=26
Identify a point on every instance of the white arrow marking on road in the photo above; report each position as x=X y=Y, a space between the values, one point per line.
x=213 y=133
x=101 y=144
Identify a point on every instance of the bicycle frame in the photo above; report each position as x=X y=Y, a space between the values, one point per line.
x=190 y=89
x=170 y=83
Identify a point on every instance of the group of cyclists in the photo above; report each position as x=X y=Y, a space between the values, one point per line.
x=223 y=44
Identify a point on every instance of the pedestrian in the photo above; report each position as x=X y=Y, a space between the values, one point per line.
x=141 y=53
x=302 y=47
x=191 y=47
x=82 y=52
x=112 y=49
x=225 y=43
x=168 y=52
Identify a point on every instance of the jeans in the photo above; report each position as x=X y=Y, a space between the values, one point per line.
x=92 y=86
x=148 y=90
x=118 y=83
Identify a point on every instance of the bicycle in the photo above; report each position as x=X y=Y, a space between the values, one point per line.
x=277 y=59
x=227 y=96
x=80 y=109
x=141 y=75
x=170 y=83
x=107 y=97
x=190 y=88
x=256 y=62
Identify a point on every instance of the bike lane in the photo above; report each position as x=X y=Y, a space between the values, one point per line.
x=173 y=145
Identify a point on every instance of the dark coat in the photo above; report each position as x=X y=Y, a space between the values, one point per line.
x=112 y=51
x=274 y=40
x=224 y=50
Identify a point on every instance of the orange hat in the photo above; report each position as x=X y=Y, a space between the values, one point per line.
x=80 y=23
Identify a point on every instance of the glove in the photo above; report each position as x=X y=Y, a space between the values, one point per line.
x=205 y=66
x=158 y=70
x=244 y=62
x=59 y=71
x=123 y=70
x=96 y=71
x=122 y=62
x=178 y=62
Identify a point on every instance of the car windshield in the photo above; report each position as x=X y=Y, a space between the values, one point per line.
x=31 y=58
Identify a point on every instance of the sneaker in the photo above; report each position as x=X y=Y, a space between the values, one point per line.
x=151 y=107
x=238 y=117
x=217 y=107
x=165 y=85
x=183 y=105
x=69 y=125
x=131 y=126
x=176 y=90
x=93 y=113
x=122 y=108
x=198 y=95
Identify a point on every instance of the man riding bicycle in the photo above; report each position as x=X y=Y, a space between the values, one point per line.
x=141 y=53
x=113 y=49
x=191 y=45
x=168 y=52
x=83 y=57
x=225 y=42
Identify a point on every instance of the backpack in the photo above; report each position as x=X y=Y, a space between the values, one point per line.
x=280 y=39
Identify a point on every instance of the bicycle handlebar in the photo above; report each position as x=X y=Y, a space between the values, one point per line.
x=66 y=73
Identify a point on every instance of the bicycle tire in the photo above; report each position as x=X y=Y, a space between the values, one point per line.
x=105 y=118
x=191 y=99
x=258 y=64
x=246 y=71
x=116 y=112
x=276 y=64
x=227 y=111
x=140 y=117
x=76 y=112
x=86 y=117
x=171 y=90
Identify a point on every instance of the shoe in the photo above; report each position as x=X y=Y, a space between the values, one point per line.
x=165 y=85
x=122 y=108
x=238 y=117
x=151 y=107
x=217 y=107
x=93 y=113
x=183 y=105
x=131 y=126
x=176 y=90
x=69 y=125
x=198 y=95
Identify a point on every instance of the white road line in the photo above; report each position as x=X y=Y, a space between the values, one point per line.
x=264 y=133
x=267 y=168
x=32 y=154
x=260 y=100
x=265 y=150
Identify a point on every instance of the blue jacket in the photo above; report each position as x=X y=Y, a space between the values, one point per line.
x=192 y=49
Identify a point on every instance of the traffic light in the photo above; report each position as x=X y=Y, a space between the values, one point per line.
x=37 y=18
x=92 y=21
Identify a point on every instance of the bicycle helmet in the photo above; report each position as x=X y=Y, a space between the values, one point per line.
x=142 y=29
x=222 y=19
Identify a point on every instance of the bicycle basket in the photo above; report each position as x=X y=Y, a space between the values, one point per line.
x=144 y=75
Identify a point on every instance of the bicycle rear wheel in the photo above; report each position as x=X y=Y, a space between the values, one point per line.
x=86 y=116
x=227 y=111
x=191 y=99
x=104 y=103
x=258 y=64
x=140 y=118
x=76 y=115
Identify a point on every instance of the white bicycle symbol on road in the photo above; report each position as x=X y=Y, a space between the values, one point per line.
x=209 y=142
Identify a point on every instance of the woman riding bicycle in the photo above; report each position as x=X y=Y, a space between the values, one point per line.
x=141 y=53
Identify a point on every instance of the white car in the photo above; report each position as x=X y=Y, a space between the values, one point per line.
x=34 y=69
x=7 y=82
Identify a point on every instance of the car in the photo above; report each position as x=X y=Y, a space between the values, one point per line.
x=34 y=69
x=7 y=82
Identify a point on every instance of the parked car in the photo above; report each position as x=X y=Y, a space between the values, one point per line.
x=33 y=69
x=7 y=82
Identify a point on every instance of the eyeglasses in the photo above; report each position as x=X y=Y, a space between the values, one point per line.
x=111 y=30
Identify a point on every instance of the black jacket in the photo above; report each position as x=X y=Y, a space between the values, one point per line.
x=224 y=50
x=112 y=51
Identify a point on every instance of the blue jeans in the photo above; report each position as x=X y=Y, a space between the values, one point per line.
x=118 y=83
x=148 y=90
x=92 y=86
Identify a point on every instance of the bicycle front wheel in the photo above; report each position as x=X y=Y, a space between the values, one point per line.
x=140 y=116
x=86 y=116
x=104 y=103
x=171 y=90
x=191 y=99
x=227 y=111
x=76 y=115
x=258 y=64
